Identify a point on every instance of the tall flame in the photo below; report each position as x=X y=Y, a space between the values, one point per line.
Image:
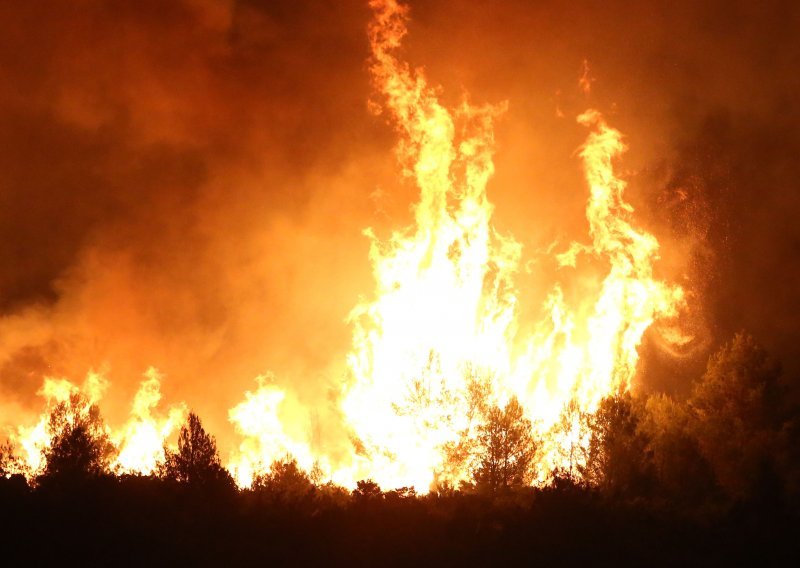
x=141 y=440
x=445 y=311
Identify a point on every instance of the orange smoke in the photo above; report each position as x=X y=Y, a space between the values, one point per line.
x=443 y=324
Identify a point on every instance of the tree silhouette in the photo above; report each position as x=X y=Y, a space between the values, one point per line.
x=367 y=490
x=285 y=482
x=618 y=459
x=735 y=413
x=80 y=448
x=681 y=474
x=571 y=435
x=9 y=461
x=507 y=449
x=459 y=452
x=196 y=462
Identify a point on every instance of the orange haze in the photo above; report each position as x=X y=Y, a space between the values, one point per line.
x=185 y=186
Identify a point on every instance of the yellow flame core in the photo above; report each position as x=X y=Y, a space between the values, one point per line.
x=445 y=309
x=258 y=420
x=141 y=440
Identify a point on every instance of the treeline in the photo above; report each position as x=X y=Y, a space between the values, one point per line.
x=734 y=440
x=711 y=478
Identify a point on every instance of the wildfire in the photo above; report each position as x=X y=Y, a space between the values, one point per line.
x=33 y=440
x=258 y=420
x=442 y=336
x=140 y=441
x=445 y=311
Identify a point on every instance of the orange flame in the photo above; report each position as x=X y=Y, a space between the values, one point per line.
x=140 y=441
x=443 y=326
x=445 y=309
x=258 y=419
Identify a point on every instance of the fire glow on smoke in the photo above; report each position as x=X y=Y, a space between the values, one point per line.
x=443 y=322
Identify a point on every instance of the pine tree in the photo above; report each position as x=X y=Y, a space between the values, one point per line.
x=507 y=449
x=196 y=462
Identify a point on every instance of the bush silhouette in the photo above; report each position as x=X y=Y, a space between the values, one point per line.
x=80 y=448
x=284 y=483
x=367 y=490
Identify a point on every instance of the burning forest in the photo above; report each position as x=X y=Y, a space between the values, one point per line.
x=422 y=282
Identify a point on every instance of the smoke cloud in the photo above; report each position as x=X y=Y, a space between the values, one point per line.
x=185 y=184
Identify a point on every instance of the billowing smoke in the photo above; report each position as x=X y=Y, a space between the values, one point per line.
x=185 y=185
x=182 y=187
